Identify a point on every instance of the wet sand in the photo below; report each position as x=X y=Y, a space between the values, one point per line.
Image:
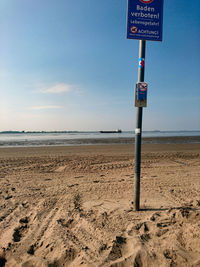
x=72 y=206
x=100 y=141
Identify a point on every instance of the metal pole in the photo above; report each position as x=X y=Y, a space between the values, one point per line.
x=138 y=130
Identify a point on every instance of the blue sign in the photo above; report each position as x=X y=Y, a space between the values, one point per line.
x=141 y=91
x=145 y=20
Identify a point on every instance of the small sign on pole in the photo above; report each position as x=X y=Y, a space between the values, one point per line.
x=141 y=94
x=145 y=19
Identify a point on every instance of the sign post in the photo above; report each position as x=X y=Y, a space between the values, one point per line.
x=138 y=130
x=144 y=22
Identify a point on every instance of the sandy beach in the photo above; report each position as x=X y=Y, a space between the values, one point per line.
x=73 y=206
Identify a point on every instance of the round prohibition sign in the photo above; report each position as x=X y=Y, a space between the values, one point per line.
x=143 y=87
x=146 y=1
x=133 y=29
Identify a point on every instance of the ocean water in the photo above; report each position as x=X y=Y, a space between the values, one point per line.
x=77 y=138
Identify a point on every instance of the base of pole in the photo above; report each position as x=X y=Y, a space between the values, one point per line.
x=137 y=192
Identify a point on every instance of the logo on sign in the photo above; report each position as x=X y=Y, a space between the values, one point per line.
x=146 y=1
x=133 y=29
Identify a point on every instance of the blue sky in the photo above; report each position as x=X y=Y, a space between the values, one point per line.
x=67 y=65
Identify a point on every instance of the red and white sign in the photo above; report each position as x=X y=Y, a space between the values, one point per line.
x=141 y=62
x=146 y=1
x=142 y=87
x=133 y=29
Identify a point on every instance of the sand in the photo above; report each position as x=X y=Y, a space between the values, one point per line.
x=73 y=206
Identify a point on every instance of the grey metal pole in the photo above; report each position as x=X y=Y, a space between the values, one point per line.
x=138 y=130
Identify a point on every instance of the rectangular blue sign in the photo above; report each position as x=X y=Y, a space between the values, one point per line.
x=141 y=91
x=145 y=20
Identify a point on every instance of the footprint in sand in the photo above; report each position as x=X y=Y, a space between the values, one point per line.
x=20 y=231
x=145 y=237
x=61 y=168
x=31 y=250
x=24 y=220
x=116 y=251
x=8 y=197
x=155 y=216
x=72 y=185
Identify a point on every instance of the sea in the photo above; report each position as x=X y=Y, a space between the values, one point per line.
x=68 y=138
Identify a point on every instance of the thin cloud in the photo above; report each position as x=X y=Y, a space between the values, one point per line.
x=57 y=89
x=45 y=107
